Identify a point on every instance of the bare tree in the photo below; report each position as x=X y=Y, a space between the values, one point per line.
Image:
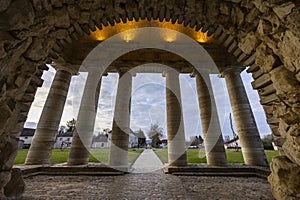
x=155 y=133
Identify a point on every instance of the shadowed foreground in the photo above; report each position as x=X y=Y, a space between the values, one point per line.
x=146 y=186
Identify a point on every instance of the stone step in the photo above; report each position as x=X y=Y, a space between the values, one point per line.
x=203 y=170
x=235 y=174
x=94 y=170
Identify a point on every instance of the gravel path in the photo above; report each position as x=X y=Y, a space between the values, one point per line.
x=146 y=186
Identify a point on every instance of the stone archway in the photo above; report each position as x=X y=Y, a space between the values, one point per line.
x=262 y=34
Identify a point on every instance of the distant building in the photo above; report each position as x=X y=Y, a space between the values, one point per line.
x=63 y=140
x=26 y=138
x=133 y=140
x=101 y=141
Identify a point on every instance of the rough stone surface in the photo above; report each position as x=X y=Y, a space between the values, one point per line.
x=4 y=179
x=288 y=51
x=291 y=148
x=16 y=186
x=285 y=178
x=8 y=150
x=146 y=186
x=264 y=59
x=284 y=9
x=288 y=90
x=248 y=43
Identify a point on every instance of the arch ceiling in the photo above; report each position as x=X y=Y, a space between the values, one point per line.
x=262 y=34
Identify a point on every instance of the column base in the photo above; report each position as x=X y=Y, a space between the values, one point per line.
x=123 y=168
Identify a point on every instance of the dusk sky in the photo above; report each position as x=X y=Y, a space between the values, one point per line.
x=148 y=102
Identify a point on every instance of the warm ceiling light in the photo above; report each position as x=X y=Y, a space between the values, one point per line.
x=168 y=36
x=108 y=31
x=128 y=36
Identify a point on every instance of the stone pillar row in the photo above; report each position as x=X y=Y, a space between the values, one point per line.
x=213 y=140
x=176 y=136
x=252 y=147
x=44 y=137
x=41 y=148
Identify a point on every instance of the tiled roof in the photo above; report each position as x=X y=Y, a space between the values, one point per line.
x=27 y=132
x=66 y=134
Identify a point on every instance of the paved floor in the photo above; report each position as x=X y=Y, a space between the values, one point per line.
x=146 y=184
x=147 y=162
x=142 y=186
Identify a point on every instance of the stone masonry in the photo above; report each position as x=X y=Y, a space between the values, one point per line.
x=264 y=35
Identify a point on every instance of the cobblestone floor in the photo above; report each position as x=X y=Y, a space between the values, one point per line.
x=146 y=186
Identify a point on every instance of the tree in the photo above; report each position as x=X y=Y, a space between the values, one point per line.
x=141 y=138
x=155 y=133
x=267 y=142
x=196 y=141
x=62 y=130
x=71 y=125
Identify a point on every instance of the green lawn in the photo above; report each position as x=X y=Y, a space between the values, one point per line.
x=97 y=155
x=193 y=155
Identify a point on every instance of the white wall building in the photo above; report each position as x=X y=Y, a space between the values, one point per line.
x=63 y=140
x=133 y=140
x=26 y=137
x=101 y=141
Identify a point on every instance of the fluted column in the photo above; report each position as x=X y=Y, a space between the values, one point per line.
x=252 y=147
x=213 y=140
x=118 y=155
x=45 y=133
x=176 y=137
x=83 y=134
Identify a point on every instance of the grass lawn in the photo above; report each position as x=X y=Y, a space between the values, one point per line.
x=193 y=155
x=97 y=155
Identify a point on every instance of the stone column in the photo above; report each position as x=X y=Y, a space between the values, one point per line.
x=118 y=155
x=213 y=140
x=47 y=128
x=176 y=137
x=252 y=147
x=83 y=134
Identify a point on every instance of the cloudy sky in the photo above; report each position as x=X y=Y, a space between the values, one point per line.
x=148 y=102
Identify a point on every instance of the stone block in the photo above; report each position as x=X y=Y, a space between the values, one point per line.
x=4 y=179
x=9 y=150
x=289 y=51
x=16 y=186
x=263 y=59
x=287 y=87
x=291 y=147
x=19 y=15
x=285 y=178
x=284 y=9
x=248 y=43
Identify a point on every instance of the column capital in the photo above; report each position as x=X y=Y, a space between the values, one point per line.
x=170 y=71
x=202 y=73
x=72 y=69
x=231 y=70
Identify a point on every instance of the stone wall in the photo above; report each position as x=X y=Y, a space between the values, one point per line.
x=262 y=34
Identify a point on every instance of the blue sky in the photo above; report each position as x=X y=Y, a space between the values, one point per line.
x=148 y=102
